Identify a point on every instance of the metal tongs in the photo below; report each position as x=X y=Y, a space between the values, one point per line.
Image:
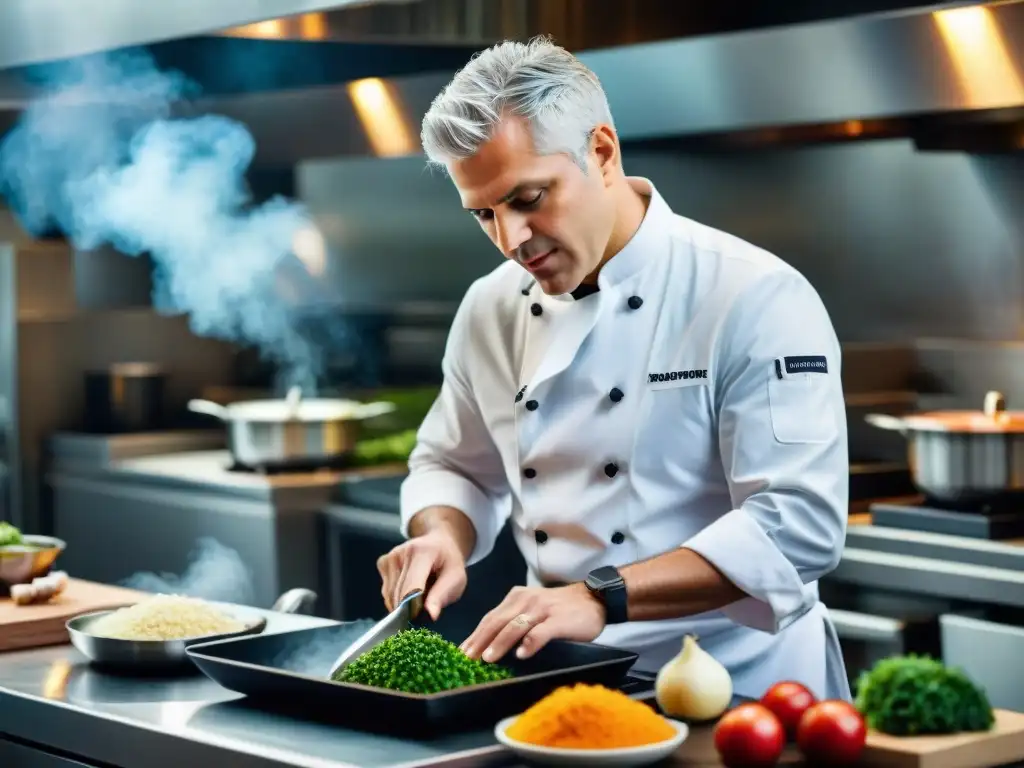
x=399 y=619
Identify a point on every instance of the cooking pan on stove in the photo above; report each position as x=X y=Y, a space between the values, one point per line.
x=288 y=672
x=292 y=431
x=963 y=456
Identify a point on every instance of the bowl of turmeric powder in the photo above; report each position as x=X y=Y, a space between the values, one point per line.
x=591 y=725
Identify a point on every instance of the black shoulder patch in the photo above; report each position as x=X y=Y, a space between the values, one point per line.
x=806 y=364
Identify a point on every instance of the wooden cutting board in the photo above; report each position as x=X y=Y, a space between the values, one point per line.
x=33 y=626
x=999 y=746
x=1002 y=745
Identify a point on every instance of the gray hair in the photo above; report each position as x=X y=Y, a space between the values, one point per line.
x=562 y=100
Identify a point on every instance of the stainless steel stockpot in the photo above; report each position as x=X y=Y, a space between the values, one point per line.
x=291 y=430
x=963 y=456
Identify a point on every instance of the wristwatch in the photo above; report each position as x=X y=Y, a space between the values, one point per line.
x=607 y=585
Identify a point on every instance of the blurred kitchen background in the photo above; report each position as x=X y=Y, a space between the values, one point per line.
x=876 y=146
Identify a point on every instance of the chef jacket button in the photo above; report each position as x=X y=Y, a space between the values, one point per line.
x=618 y=537
x=611 y=469
x=536 y=309
x=615 y=395
x=529 y=473
x=540 y=536
x=634 y=302
x=532 y=405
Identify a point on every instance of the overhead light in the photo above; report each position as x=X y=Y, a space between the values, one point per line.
x=983 y=66
x=378 y=109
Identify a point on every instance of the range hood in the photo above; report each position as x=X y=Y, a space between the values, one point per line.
x=41 y=31
x=949 y=77
x=318 y=85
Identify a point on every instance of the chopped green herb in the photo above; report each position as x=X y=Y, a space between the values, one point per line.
x=419 y=661
x=9 y=535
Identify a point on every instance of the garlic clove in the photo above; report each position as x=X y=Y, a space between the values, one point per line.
x=45 y=587
x=693 y=685
x=23 y=594
x=60 y=580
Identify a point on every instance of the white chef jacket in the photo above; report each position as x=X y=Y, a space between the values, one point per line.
x=694 y=401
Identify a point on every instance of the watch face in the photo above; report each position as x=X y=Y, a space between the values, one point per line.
x=603 y=576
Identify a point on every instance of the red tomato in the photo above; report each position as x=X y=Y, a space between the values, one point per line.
x=788 y=701
x=832 y=732
x=749 y=736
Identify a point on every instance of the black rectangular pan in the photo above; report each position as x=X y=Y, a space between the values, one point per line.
x=288 y=672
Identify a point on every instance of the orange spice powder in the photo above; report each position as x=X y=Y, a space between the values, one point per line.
x=590 y=717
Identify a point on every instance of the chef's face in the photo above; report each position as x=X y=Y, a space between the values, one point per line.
x=543 y=211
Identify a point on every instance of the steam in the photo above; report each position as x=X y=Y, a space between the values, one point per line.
x=316 y=656
x=100 y=155
x=215 y=572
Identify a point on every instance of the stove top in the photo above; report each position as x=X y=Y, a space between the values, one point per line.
x=94 y=449
x=191 y=458
x=216 y=468
x=994 y=522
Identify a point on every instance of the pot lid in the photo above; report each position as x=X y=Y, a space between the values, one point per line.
x=293 y=409
x=992 y=418
x=307 y=410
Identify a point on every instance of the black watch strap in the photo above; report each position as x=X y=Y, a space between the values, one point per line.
x=608 y=586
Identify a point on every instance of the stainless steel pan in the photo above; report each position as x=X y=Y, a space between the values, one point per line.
x=150 y=655
x=292 y=431
x=963 y=456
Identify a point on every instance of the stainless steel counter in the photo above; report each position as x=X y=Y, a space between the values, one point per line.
x=57 y=710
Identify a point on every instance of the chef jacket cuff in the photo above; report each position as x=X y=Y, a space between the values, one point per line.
x=440 y=488
x=749 y=557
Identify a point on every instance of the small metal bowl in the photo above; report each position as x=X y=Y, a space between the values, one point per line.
x=33 y=557
x=169 y=655
x=154 y=655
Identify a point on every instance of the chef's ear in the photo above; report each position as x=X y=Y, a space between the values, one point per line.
x=604 y=146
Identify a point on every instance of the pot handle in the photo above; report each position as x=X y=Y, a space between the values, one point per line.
x=995 y=404
x=208 y=407
x=297 y=600
x=292 y=400
x=885 y=421
x=372 y=410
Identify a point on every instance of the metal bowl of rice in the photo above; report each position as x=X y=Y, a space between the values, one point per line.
x=154 y=633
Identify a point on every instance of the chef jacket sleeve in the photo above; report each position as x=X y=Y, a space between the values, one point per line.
x=455 y=462
x=782 y=436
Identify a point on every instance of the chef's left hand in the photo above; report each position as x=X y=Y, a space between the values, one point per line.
x=531 y=616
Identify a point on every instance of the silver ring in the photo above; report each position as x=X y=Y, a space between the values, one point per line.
x=522 y=620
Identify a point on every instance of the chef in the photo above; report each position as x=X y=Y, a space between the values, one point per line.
x=653 y=405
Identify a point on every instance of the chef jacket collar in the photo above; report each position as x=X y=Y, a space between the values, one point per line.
x=648 y=242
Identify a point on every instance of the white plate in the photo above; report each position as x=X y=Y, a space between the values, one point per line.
x=619 y=758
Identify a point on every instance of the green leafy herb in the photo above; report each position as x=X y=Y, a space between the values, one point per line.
x=9 y=535
x=419 y=661
x=917 y=695
x=385 y=450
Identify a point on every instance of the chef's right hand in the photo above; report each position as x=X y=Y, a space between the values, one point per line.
x=433 y=563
